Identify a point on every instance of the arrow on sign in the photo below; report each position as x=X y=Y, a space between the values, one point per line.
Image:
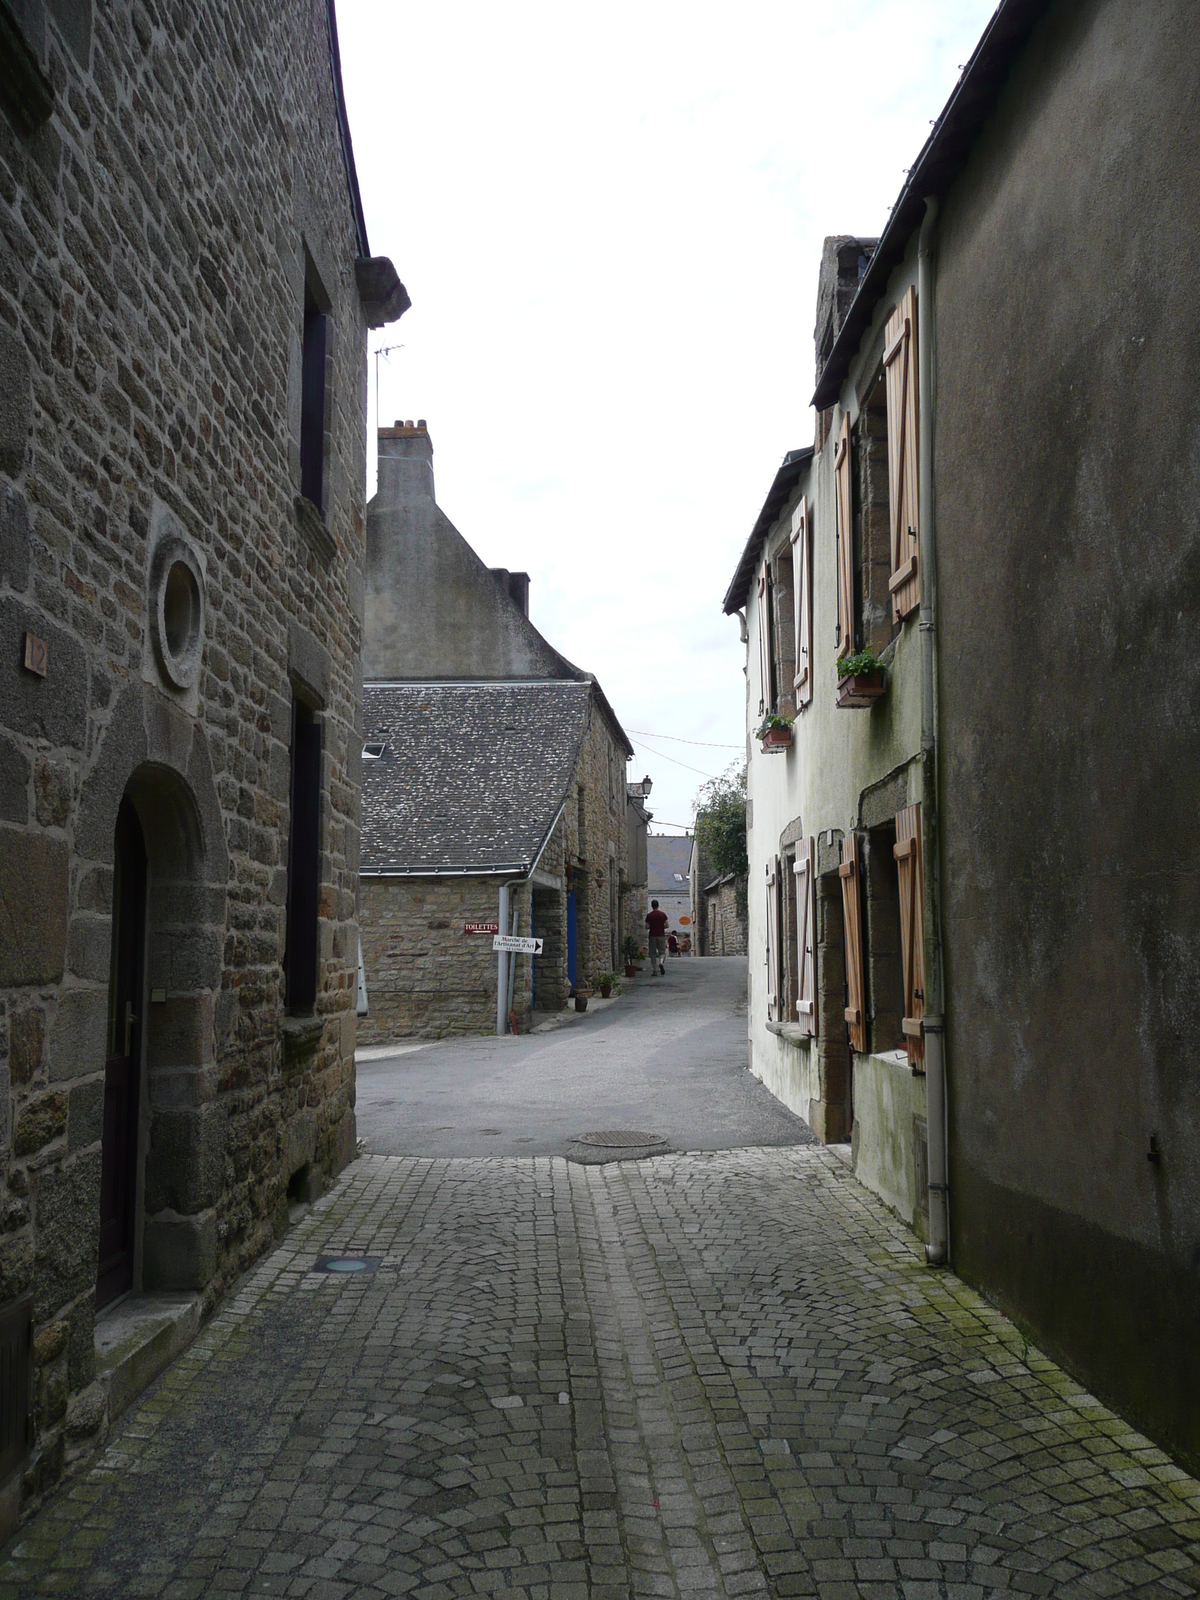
x=517 y=946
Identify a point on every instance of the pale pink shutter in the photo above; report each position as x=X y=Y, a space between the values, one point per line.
x=802 y=591
x=806 y=934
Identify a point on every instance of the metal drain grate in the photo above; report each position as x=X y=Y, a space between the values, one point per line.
x=348 y=1266
x=620 y=1139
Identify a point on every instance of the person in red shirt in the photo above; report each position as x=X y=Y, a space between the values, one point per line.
x=656 y=924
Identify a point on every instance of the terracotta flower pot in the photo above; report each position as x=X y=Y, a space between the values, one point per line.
x=605 y=990
x=776 y=739
x=631 y=972
x=862 y=688
x=581 y=1001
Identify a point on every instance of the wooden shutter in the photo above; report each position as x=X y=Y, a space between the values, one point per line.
x=849 y=872
x=912 y=928
x=771 y=940
x=844 y=508
x=802 y=594
x=900 y=363
x=806 y=934
x=765 y=642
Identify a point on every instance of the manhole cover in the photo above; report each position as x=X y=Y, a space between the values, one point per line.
x=620 y=1139
x=615 y=1144
x=346 y=1264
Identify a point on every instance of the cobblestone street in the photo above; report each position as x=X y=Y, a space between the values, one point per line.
x=715 y=1374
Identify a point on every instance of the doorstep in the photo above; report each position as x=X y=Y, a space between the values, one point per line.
x=137 y=1339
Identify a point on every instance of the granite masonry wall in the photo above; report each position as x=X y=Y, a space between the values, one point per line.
x=157 y=235
x=426 y=978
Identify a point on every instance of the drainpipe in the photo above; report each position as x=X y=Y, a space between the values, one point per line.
x=502 y=968
x=938 y=1249
x=512 y=964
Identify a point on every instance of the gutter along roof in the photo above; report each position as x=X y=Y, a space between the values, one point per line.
x=941 y=160
x=778 y=496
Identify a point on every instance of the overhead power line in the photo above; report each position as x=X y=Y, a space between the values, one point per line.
x=709 y=744
x=672 y=759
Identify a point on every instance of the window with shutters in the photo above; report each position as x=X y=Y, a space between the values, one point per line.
x=804 y=873
x=844 y=529
x=874 y=622
x=912 y=929
x=783 y=633
x=900 y=366
x=882 y=940
x=802 y=605
x=850 y=873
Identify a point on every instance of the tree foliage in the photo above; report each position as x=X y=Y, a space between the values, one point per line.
x=721 y=822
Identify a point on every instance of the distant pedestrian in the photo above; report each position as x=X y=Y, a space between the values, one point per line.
x=656 y=924
x=672 y=945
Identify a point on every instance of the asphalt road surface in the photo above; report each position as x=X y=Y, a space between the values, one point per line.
x=668 y=1057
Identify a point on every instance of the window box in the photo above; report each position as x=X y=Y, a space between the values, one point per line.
x=776 y=739
x=862 y=688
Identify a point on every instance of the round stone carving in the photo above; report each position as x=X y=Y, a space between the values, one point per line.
x=177 y=610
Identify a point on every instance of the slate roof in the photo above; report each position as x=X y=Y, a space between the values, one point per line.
x=665 y=856
x=472 y=775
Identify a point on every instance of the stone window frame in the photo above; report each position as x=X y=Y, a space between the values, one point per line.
x=318 y=303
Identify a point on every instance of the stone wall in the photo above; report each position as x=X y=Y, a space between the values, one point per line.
x=156 y=237
x=426 y=978
x=725 y=930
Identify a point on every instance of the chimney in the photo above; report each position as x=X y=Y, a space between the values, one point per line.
x=844 y=260
x=515 y=586
x=405 y=463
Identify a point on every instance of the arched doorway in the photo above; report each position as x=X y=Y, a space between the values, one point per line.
x=122 y=1067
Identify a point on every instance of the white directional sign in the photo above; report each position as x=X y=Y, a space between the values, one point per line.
x=524 y=947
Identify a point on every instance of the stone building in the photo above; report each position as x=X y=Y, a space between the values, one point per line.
x=973 y=915
x=494 y=772
x=668 y=863
x=185 y=288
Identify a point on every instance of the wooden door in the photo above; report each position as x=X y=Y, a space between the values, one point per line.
x=118 y=1162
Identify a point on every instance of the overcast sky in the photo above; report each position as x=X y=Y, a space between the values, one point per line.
x=610 y=221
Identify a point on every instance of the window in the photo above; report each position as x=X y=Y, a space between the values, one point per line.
x=312 y=403
x=851 y=877
x=304 y=862
x=804 y=871
x=900 y=365
x=874 y=625
x=907 y=851
x=773 y=952
x=802 y=605
x=844 y=520
x=372 y=750
x=766 y=642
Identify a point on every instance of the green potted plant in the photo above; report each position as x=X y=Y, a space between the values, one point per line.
x=629 y=949
x=774 y=732
x=606 y=982
x=861 y=679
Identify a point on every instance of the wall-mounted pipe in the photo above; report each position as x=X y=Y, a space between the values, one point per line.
x=938 y=1249
x=502 y=968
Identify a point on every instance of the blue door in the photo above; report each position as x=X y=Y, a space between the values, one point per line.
x=571 y=938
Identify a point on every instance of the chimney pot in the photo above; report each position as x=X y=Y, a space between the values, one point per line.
x=421 y=423
x=408 y=424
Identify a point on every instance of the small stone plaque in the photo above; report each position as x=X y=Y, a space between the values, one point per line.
x=36 y=655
